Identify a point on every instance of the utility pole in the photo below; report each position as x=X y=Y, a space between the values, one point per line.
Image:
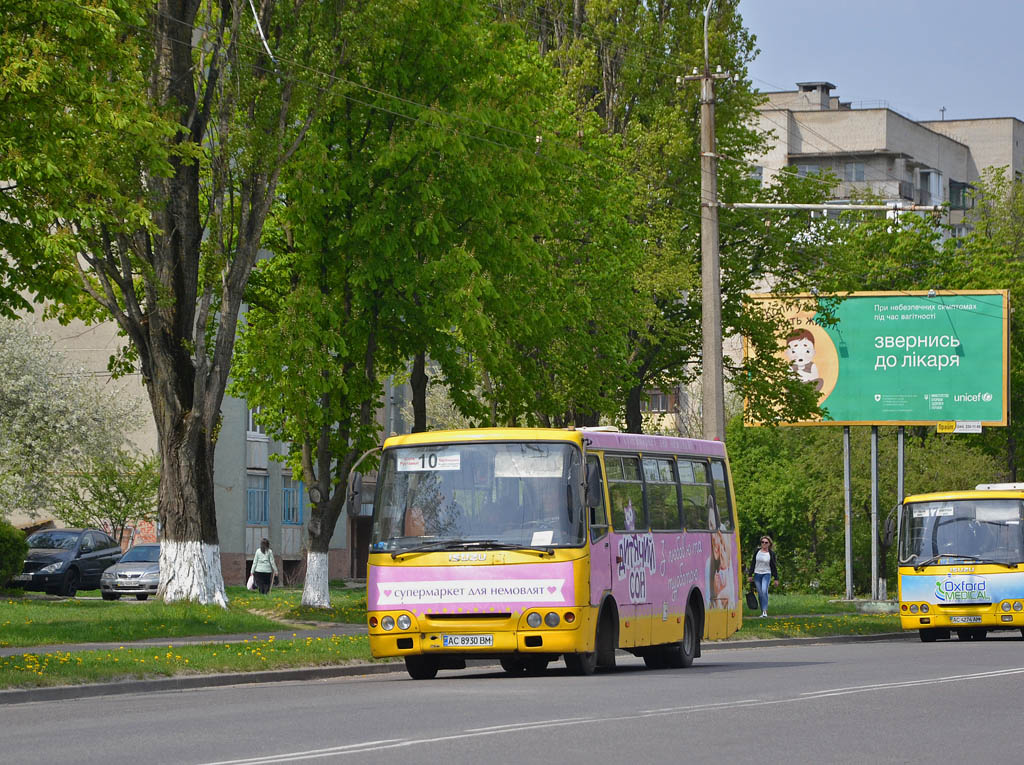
x=712 y=378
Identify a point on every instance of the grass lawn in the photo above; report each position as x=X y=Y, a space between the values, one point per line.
x=809 y=615
x=28 y=620
x=37 y=670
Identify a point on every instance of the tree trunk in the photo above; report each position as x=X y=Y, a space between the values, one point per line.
x=634 y=417
x=418 y=382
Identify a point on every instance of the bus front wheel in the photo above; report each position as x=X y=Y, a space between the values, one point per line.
x=929 y=635
x=421 y=667
x=581 y=663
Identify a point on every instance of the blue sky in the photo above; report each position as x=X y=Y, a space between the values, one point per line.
x=917 y=55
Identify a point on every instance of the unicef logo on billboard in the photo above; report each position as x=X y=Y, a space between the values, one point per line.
x=986 y=397
x=962 y=589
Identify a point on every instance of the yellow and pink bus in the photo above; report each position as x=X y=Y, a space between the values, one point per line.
x=529 y=544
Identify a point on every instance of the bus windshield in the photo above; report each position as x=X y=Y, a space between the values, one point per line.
x=980 y=529
x=493 y=493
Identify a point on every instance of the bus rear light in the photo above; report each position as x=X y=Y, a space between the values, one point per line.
x=570 y=617
x=551 y=619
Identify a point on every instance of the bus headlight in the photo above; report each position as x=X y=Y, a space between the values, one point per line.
x=387 y=623
x=924 y=608
x=551 y=619
x=533 y=619
x=913 y=608
x=1005 y=605
x=1017 y=605
x=404 y=622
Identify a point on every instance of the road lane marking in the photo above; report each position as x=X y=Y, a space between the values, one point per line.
x=377 y=746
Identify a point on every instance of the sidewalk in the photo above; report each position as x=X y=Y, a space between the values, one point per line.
x=185 y=682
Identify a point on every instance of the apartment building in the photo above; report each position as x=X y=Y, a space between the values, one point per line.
x=880 y=150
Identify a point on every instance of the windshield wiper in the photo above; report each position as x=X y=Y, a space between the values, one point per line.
x=921 y=564
x=464 y=544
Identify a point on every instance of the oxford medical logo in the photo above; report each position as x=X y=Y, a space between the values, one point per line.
x=962 y=589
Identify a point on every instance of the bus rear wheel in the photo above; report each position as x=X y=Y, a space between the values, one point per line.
x=681 y=655
x=421 y=667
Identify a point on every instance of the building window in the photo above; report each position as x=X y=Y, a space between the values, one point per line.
x=257 y=499
x=655 y=401
x=253 y=427
x=854 y=171
x=959 y=196
x=291 y=501
x=805 y=170
x=757 y=174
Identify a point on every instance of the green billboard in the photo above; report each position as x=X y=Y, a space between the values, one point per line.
x=902 y=358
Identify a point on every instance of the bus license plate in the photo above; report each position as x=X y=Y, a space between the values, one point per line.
x=467 y=641
x=965 y=619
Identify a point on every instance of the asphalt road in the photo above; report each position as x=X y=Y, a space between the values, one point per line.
x=887 y=701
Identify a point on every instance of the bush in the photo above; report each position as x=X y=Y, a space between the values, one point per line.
x=13 y=549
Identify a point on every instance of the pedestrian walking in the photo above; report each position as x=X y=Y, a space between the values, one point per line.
x=762 y=569
x=264 y=567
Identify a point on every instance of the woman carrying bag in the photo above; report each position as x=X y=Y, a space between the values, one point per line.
x=762 y=569
x=264 y=567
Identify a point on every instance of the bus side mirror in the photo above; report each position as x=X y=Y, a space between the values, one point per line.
x=889 y=532
x=593 y=487
x=355 y=489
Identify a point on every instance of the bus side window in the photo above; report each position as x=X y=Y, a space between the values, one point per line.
x=696 y=496
x=726 y=521
x=662 y=493
x=597 y=514
x=626 y=492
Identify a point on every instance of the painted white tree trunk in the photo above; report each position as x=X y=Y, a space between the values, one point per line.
x=316 y=592
x=191 y=571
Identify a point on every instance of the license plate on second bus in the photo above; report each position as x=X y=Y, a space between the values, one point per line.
x=467 y=641
x=965 y=619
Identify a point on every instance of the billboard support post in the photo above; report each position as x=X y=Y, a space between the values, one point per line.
x=847 y=503
x=874 y=512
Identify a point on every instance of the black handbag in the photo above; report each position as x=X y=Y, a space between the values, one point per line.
x=752 y=602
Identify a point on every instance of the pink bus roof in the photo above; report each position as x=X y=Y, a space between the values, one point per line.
x=635 y=442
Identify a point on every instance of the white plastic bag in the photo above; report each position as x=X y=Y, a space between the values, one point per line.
x=251 y=584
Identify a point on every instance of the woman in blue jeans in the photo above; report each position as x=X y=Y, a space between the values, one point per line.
x=762 y=569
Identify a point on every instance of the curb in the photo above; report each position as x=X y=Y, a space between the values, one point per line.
x=191 y=682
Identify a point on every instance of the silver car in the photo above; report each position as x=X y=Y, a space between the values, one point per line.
x=136 y=573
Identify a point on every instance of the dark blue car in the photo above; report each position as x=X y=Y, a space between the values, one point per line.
x=63 y=561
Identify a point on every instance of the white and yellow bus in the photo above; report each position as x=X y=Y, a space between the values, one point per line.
x=961 y=562
x=524 y=545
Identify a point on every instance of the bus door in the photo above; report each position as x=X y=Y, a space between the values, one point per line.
x=632 y=548
x=600 y=544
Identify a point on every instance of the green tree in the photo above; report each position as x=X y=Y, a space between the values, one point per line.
x=114 y=492
x=161 y=132
x=789 y=484
x=402 y=217
x=989 y=257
